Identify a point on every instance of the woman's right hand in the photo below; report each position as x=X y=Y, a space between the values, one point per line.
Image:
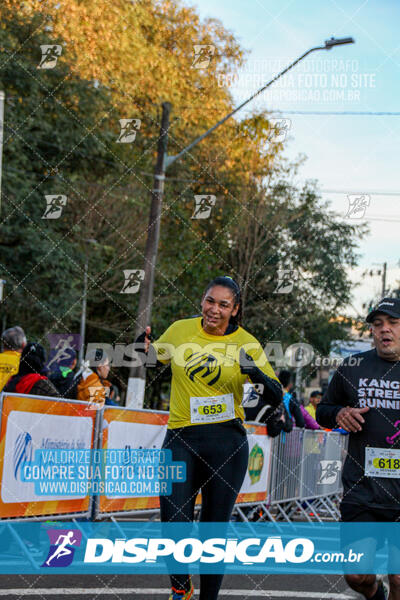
x=147 y=333
x=142 y=342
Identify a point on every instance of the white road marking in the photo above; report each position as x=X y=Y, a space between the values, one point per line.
x=163 y=592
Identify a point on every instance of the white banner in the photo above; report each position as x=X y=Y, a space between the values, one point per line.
x=29 y=431
x=126 y=435
x=130 y=436
x=256 y=478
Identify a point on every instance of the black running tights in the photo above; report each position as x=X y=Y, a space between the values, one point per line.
x=216 y=457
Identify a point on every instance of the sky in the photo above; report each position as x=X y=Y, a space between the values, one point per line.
x=348 y=154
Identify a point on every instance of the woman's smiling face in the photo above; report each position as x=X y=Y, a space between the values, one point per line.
x=218 y=306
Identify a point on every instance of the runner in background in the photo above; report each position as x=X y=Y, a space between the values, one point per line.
x=211 y=357
x=291 y=404
x=363 y=398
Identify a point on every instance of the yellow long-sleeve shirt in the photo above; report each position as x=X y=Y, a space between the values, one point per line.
x=9 y=365
x=205 y=372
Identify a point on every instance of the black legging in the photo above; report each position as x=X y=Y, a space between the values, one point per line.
x=216 y=457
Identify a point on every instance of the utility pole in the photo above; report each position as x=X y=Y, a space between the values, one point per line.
x=298 y=377
x=84 y=297
x=83 y=314
x=137 y=375
x=2 y=98
x=384 y=279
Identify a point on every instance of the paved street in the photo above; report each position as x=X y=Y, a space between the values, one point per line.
x=156 y=587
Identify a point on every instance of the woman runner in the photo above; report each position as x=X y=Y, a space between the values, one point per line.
x=211 y=357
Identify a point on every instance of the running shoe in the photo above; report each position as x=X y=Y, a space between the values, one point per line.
x=182 y=594
x=384 y=588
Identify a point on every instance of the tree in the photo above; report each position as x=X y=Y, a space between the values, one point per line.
x=291 y=234
x=119 y=62
x=55 y=139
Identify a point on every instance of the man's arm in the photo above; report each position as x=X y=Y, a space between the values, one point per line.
x=334 y=400
x=335 y=409
x=309 y=422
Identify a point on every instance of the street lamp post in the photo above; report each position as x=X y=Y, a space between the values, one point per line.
x=83 y=313
x=135 y=391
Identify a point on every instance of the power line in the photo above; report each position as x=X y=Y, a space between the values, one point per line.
x=377 y=113
x=342 y=112
x=369 y=192
x=382 y=219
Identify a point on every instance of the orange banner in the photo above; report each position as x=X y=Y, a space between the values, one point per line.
x=31 y=423
x=131 y=429
x=124 y=428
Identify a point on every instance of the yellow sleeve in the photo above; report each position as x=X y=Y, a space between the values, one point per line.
x=9 y=366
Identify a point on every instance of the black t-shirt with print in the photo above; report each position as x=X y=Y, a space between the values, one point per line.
x=363 y=380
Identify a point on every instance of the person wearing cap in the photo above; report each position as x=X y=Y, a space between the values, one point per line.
x=363 y=398
x=315 y=399
x=62 y=375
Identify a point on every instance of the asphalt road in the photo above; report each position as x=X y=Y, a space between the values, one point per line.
x=148 y=587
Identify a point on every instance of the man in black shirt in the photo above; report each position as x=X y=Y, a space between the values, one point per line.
x=363 y=397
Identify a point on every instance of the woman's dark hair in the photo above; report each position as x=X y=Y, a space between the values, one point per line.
x=231 y=284
x=285 y=377
x=33 y=358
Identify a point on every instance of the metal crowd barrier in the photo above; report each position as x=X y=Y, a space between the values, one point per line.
x=305 y=479
x=297 y=475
